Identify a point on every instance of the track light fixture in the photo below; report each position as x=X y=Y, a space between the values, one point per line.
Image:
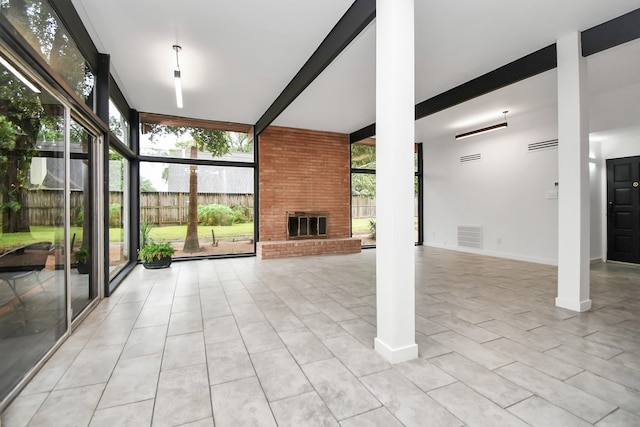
x=485 y=130
x=177 y=78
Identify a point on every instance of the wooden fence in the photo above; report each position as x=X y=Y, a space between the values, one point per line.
x=158 y=208
x=172 y=208
x=365 y=207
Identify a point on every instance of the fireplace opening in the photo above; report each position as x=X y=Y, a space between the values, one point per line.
x=306 y=225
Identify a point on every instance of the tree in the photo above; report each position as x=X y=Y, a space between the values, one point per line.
x=363 y=185
x=240 y=142
x=22 y=114
x=146 y=186
x=165 y=174
x=27 y=115
x=363 y=157
x=216 y=142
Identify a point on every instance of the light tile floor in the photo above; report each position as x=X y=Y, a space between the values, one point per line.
x=245 y=342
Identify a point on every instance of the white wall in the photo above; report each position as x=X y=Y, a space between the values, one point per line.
x=505 y=192
x=597 y=209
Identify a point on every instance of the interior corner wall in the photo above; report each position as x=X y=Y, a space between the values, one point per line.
x=509 y=192
x=304 y=171
x=596 y=170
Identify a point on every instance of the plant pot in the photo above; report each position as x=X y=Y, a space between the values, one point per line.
x=84 y=267
x=158 y=263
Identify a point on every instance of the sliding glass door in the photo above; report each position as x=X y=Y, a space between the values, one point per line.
x=33 y=291
x=47 y=218
x=81 y=214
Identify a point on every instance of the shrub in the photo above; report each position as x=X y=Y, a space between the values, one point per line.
x=77 y=216
x=241 y=214
x=215 y=214
x=115 y=215
x=372 y=228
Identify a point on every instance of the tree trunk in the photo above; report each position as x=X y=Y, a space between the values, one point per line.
x=191 y=243
x=16 y=190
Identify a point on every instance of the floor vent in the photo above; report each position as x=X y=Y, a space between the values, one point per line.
x=470 y=158
x=470 y=236
x=544 y=145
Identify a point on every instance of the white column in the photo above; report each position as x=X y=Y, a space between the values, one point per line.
x=395 y=130
x=573 y=177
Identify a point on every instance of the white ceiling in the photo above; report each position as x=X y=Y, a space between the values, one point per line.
x=238 y=56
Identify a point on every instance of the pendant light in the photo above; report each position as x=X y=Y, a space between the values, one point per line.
x=177 y=78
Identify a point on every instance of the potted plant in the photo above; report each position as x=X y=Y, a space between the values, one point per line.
x=82 y=258
x=372 y=228
x=156 y=255
x=145 y=231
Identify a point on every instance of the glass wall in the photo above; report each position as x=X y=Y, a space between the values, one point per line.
x=118 y=211
x=40 y=26
x=363 y=192
x=118 y=124
x=224 y=207
x=83 y=284
x=49 y=162
x=199 y=193
x=187 y=142
x=33 y=308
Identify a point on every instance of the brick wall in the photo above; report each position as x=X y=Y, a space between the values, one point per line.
x=268 y=250
x=303 y=170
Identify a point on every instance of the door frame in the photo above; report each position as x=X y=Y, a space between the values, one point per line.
x=605 y=206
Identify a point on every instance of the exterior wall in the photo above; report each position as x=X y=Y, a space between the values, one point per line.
x=305 y=171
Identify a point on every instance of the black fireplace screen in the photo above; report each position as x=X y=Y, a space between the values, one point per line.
x=303 y=225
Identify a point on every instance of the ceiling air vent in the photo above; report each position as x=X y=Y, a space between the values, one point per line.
x=544 y=145
x=470 y=158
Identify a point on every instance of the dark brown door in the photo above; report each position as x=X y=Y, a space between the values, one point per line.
x=623 y=217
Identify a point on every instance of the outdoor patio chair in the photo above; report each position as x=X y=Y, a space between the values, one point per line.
x=22 y=262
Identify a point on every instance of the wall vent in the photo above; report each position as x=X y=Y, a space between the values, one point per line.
x=543 y=145
x=470 y=236
x=470 y=158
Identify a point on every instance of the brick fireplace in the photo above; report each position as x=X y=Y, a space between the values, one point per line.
x=304 y=172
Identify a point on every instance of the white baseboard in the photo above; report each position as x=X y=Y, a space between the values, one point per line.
x=396 y=355
x=506 y=255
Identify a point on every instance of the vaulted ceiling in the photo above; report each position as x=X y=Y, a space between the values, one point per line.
x=238 y=56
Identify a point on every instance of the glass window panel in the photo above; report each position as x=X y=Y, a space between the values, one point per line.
x=224 y=207
x=32 y=254
x=83 y=287
x=117 y=210
x=363 y=154
x=363 y=207
x=36 y=21
x=118 y=124
x=178 y=142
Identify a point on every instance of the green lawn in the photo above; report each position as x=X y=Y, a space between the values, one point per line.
x=361 y=225
x=178 y=232
x=162 y=234
x=38 y=234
